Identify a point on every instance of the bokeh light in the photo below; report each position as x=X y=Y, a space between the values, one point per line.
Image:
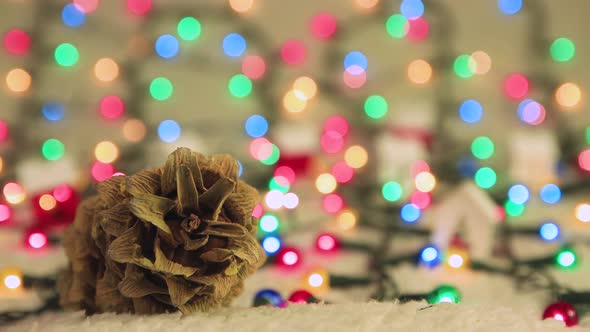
x=106 y=152
x=62 y=193
x=325 y=183
x=274 y=199
x=397 y=26
x=47 y=202
x=17 y=42
x=461 y=66
x=418 y=29
x=134 y=130
x=482 y=147
x=273 y=158
x=37 y=240
x=53 y=111
x=531 y=112
x=332 y=142
x=480 y=62
x=549 y=231
x=354 y=77
x=342 y=172
x=346 y=220
x=421 y=199
x=509 y=7
x=568 y=95
x=240 y=86
x=269 y=223
x=392 y=191
x=139 y=7
x=167 y=46
x=338 y=124
x=582 y=212
x=18 y=80
x=375 y=106
x=72 y=16
x=562 y=49
x=169 y=131
x=261 y=148
x=419 y=71
x=323 y=25
x=234 y=45
x=14 y=193
x=327 y=243
x=256 y=126
x=241 y=6
x=566 y=258
x=4 y=131
x=254 y=67
x=101 y=171
x=471 y=111
x=188 y=28
x=512 y=209
x=293 y=52
x=356 y=156
x=290 y=200
x=5 y=213
x=66 y=55
x=292 y=103
x=86 y=6
x=425 y=182
x=111 y=107
x=485 y=177
x=516 y=86
x=332 y=203
x=584 y=159
x=410 y=213
x=429 y=256
x=161 y=88
x=271 y=244
x=411 y=9
x=106 y=70
x=518 y=194
x=550 y=193
x=304 y=88
x=53 y=149
x=355 y=58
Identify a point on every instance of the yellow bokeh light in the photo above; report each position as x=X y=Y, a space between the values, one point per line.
x=134 y=130
x=568 y=94
x=480 y=62
x=1 y=165
x=10 y=278
x=18 y=80
x=346 y=220
x=47 y=202
x=425 y=182
x=367 y=4
x=241 y=6
x=14 y=193
x=106 y=70
x=317 y=281
x=356 y=156
x=325 y=183
x=106 y=152
x=419 y=71
x=305 y=88
x=457 y=258
x=292 y=103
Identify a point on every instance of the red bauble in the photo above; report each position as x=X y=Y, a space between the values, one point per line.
x=56 y=207
x=301 y=296
x=562 y=311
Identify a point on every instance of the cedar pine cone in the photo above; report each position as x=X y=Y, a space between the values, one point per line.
x=165 y=239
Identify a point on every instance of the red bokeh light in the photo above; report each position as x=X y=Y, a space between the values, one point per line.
x=4 y=132
x=584 y=160
x=86 y=6
x=258 y=211
x=111 y=107
x=254 y=67
x=419 y=166
x=139 y=7
x=102 y=171
x=516 y=86
x=288 y=257
x=37 y=240
x=285 y=172
x=354 y=77
x=327 y=243
x=323 y=25
x=421 y=199
x=62 y=193
x=293 y=52
x=5 y=213
x=332 y=203
x=332 y=142
x=17 y=42
x=338 y=124
x=418 y=29
x=342 y=172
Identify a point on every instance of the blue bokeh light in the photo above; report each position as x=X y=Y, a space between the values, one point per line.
x=167 y=46
x=411 y=9
x=169 y=131
x=510 y=7
x=549 y=231
x=72 y=16
x=410 y=213
x=256 y=126
x=467 y=167
x=550 y=193
x=53 y=111
x=429 y=256
x=234 y=45
x=518 y=194
x=271 y=244
x=471 y=111
x=355 y=58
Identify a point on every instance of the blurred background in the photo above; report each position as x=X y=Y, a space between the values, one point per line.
x=342 y=113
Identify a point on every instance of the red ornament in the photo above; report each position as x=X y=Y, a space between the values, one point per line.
x=301 y=296
x=562 y=311
x=139 y=7
x=56 y=207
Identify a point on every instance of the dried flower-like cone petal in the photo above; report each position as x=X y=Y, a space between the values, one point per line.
x=179 y=237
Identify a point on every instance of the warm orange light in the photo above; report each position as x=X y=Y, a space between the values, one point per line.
x=305 y=88
x=325 y=183
x=47 y=202
x=134 y=130
x=568 y=95
x=317 y=280
x=480 y=62
x=346 y=220
x=356 y=156
x=419 y=71
x=367 y=4
x=106 y=152
x=14 y=193
x=10 y=279
x=18 y=80
x=292 y=103
x=106 y=70
x=425 y=182
x=241 y=6
x=457 y=258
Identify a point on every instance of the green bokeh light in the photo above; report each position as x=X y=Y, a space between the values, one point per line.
x=444 y=294
x=512 y=209
x=53 y=149
x=66 y=55
x=274 y=185
x=189 y=28
x=587 y=135
x=397 y=26
x=240 y=86
x=485 y=177
x=392 y=191
x=376 y=106
x=274 y=156
x=566 y=258
x=562 y=50
x=161 y=88
x=461 y=66
x=482 y=147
